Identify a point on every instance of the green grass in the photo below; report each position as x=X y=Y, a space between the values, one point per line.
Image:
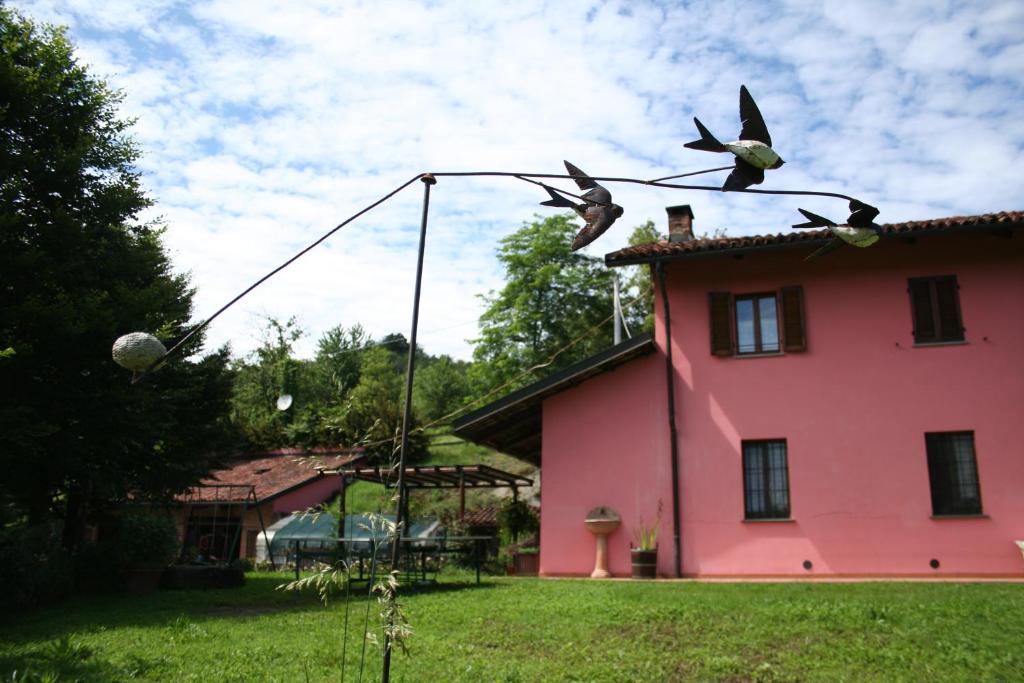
x=540 y=630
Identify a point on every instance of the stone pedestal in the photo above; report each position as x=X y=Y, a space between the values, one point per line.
x=601 y=521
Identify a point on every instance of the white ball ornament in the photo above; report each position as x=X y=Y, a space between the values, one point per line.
x=137 y=351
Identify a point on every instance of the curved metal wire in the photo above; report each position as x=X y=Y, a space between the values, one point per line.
x=266 y=277
x=527 y=177
x=635 y=181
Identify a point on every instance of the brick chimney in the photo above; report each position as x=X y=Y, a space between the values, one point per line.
x=680 y=223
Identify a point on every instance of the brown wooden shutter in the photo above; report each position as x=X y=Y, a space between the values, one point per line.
x=921 y=310
x=793 y=331
x=721 y=323
x=947 y=301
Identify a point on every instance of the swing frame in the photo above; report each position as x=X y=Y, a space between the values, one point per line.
x=226 y=495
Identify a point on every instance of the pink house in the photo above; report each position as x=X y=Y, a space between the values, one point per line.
x=854 y=415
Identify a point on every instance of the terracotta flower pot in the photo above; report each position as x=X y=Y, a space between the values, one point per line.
x=645 y=563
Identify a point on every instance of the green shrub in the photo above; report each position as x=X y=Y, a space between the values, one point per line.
x=34 y=568
x=147 y=537
x=517 y=517
x=243 y=564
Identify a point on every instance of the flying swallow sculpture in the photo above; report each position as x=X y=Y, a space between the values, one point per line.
x=753 y=149
x=860 y=229
x=597 y=208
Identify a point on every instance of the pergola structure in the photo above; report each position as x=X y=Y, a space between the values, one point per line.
x=458 y=477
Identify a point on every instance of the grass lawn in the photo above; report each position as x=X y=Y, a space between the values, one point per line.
x=539 y=630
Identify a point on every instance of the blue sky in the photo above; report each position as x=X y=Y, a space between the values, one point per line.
x=266 y=123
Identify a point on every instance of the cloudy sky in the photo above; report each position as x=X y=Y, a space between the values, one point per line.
x=264 y=124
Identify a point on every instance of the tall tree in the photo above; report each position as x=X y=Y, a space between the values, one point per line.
x=441 y=387
x=77 y=270
x=554 y=309
x=339 y=359
x=269 y=373
x=374 y=413
x=639 y=287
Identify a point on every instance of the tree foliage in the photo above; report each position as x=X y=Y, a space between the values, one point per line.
x=268 y=374
x=638 y=278
x=442 y=387
x=554 y=309
x=79 y=270
x=375 y=410
x=350 y=393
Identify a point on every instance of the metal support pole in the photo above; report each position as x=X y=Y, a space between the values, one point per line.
x=616 y=311
x=263 y=526
x=462 y=495
x=427 y=180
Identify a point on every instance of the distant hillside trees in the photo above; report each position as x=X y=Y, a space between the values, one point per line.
x=350 y=393
x=442 y=387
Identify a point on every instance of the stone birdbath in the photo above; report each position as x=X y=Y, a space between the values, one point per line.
x=602 y=521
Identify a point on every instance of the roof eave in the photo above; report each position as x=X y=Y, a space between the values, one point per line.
x=516 y=411
x=612 y=262
x=562 y=377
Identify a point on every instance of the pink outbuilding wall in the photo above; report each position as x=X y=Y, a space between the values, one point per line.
x=307 y=496
x=853 y=408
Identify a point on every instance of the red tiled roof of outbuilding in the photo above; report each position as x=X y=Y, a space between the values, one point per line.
x=482 y=516
x=279 y=471
x=724 y=245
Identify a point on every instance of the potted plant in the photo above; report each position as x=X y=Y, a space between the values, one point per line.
x=645 y=552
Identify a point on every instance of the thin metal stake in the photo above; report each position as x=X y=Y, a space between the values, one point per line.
x=428 y=180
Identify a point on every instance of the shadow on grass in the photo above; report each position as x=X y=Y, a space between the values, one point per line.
x=260 y=595
x=158 y=609
x=64 y=659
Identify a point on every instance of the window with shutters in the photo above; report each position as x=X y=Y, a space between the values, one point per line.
x=765 y=480
x=764 y=323
x=935 y=309
x=953 y=473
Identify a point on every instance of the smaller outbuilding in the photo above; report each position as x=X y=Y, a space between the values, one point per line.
x=220 y=518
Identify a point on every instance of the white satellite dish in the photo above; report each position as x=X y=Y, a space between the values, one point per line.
x=284 y=401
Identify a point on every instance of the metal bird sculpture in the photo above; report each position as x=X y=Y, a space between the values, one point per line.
x=753 y=149
x=597 y=208
x=860 y=229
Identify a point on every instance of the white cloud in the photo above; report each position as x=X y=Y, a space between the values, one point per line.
x=266 y=123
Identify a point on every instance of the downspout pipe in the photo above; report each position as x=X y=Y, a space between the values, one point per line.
x=673 y=434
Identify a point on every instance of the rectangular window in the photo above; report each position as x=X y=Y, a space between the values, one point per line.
x=765 y=480
x=953 y=473
x=935 y=307
x=757 y=323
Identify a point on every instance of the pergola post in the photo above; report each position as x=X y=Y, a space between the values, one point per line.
x=462 y=495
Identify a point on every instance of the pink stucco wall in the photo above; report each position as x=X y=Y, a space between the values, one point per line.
x=307 y=496
x=853 y=408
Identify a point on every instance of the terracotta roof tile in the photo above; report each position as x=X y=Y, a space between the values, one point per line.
x=665 y=249
x=482 y=516
x=273 y=474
